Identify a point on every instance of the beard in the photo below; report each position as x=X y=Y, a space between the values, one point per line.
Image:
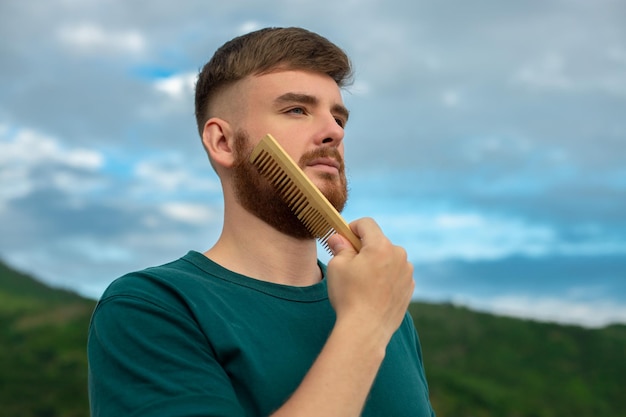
x=260 y=198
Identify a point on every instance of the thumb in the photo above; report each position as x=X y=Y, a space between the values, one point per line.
x=339 y=244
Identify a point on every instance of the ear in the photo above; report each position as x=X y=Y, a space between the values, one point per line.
x=217 y=139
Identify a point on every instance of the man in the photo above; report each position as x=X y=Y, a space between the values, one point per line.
x=256 y=325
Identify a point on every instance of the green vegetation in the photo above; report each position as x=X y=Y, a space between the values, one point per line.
x=43 y=364
x=477 y=364
x=482 y=365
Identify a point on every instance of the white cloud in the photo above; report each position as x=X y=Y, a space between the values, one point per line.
x=19 y=147
x=177 y=86
x=97 y=250
x=249 y=26
x=450 y=98
x=602 y=71
x=458 y=220
x=437 y=236
x=189 y=213
x=598 y=245
x=548 y=73
x=164 y=179
x=15 y=184
x=93 y=38
x=588 y=313
x=171 y=174
x=25 y=152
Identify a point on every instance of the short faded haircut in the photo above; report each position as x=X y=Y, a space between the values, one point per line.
x=263 y=51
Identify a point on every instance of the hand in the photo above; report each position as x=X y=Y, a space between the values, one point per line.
x=371 y=288
x=370 y=291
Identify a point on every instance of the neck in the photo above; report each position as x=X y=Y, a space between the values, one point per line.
x=251 y=247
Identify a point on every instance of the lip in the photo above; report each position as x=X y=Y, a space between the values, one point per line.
x=328 y=162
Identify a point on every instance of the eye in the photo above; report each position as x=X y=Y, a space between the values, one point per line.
x=340 y=122
x=297 y=110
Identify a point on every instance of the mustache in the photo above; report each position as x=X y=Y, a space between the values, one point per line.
x=325 y=152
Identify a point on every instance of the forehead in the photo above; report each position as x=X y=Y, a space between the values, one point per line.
x=274 y=84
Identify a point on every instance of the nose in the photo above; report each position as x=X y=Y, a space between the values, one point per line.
x=332 y=132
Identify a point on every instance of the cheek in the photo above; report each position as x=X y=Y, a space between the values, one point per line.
x=287 y=138
x=259 y=125
x=291 y=144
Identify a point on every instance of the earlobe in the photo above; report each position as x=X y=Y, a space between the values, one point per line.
x=217 y=141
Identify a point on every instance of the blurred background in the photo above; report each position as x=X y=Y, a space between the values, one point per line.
x=486 y=137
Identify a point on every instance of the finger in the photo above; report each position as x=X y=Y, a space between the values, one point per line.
x=367 y=230
x=339 y=245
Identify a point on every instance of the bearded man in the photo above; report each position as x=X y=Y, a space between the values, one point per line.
x=256 y=325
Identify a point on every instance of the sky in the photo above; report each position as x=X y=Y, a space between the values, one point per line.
x=488 y=138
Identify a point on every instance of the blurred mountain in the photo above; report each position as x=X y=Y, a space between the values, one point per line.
x=43 y=334
x=481 y=365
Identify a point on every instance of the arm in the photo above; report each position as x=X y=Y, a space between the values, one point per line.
x=370 y=292
x=146 y=358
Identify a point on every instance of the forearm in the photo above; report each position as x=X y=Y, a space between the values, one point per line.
x=370 y=292
x=340 y=379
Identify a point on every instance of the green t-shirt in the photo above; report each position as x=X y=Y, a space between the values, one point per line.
x=192 y=339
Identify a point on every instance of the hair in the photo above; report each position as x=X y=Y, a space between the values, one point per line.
x=263 y=51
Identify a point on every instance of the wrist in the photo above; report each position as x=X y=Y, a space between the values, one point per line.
x=367 y=337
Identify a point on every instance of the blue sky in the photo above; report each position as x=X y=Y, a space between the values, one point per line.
x=486 y=137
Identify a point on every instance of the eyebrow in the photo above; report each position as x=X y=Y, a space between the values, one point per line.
x=311 y=100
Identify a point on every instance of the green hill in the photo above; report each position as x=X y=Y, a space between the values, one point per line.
x=477 y=364
x=43 y=365
x=483 y=365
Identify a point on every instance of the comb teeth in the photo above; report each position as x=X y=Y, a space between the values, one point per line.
x=297 y=201
x=303 y=198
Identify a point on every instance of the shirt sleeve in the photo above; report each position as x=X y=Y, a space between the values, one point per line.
x=418 y=348
x=148 y=359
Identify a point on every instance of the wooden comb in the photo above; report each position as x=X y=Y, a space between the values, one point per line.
x=302 y=196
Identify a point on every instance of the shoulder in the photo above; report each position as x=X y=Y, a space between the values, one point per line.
x=152 y=278
x=167 y=286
